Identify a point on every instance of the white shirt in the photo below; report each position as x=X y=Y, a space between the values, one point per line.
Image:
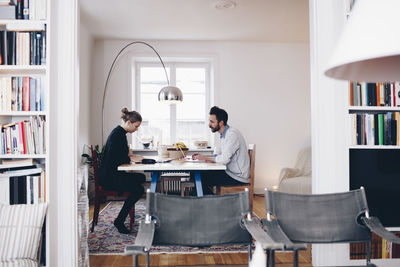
x=231 y=150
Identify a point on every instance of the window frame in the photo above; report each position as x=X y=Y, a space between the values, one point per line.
x=173 y=65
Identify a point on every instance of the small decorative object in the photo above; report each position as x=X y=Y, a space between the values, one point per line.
x=200 y=143
x=146 y=141
x=178 y=151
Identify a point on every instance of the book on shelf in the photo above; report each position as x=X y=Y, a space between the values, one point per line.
x=20 y=172
x=378 y=128
x=22 y=186
x=380 y=249
x=23 y=44
x=13 y=163
x=19 y=13
x=23 y=137
x=374 y=94
x=25 y=9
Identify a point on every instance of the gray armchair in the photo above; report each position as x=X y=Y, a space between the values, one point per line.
x=325 y=218
x=193 y=221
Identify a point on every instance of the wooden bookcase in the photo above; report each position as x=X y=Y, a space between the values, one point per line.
x=14 y=108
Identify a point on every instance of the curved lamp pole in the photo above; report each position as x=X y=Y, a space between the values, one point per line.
x=169 y=94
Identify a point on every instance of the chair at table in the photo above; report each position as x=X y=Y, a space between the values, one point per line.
x=297 y=219
x=21 y=234
x=222 y=190
x=99 y=193
x=191 y=221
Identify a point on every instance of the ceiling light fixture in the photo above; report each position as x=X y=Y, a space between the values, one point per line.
x=225 y=4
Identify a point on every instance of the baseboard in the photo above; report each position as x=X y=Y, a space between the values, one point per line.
x=259 y=190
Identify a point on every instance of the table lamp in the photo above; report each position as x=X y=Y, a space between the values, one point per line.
x=168 y=94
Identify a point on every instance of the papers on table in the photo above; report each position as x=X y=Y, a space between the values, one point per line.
x=190 y=159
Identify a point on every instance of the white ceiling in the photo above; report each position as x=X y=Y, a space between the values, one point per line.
x=250 y=20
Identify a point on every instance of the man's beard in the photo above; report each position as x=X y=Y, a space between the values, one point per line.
x=216 y=129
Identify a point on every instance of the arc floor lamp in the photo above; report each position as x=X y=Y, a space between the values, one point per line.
x=169 y=94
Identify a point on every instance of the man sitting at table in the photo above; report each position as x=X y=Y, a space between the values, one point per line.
x=230 y=150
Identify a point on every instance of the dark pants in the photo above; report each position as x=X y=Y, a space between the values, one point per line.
x=212 y=178
x=128 y=182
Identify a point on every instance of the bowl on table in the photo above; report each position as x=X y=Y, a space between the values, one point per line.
x=176 y=153
x=146 y=144
x=200 y=143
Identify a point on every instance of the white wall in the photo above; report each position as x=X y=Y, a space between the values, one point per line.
x=61 y=172
x=330 y=125
x=85 y=59
x=265 y=88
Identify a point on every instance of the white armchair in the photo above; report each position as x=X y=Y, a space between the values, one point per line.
x=297 y=180
x=20 y=234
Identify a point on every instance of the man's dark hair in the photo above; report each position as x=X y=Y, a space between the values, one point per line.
x=220 y=114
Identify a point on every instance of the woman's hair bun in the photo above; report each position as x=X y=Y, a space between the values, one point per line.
x=124 y=110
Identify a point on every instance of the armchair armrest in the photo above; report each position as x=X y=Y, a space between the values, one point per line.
x=143 y=240
x=288 y=173
x=375 y=225
x=253 y=226
x=276 y=233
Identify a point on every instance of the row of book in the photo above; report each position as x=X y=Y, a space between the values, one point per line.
x=376 y=129
x=23 y=9
x=22 y=94
x=23 y=186
x=24 y=137
x=380 y=249
x=374 y=94
x=22 y=48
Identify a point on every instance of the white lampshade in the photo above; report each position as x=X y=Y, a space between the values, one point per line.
x=369 y=47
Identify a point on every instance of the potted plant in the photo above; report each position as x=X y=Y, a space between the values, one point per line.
x=87 y=159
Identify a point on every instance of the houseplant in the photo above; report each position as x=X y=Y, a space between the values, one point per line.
x=87 y=159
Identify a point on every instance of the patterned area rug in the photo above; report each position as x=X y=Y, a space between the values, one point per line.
x=107 y=240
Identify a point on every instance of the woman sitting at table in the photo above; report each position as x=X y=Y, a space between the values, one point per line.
x=117 y=152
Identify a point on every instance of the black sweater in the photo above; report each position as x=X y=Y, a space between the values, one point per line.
x=115 y=153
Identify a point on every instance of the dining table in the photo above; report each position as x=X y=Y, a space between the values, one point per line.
x=197 y=167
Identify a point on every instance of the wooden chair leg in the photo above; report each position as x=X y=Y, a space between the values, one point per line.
x=182 y=190
x=96 y=212
x=131 y=218
x=251 y=199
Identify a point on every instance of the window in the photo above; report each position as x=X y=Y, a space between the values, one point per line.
x=183 y=122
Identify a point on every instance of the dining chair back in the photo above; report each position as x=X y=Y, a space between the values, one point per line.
x=222 y=190
x=197 y=222
x=299 y=219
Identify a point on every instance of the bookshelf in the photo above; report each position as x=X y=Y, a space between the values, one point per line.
x=374 y=141
x=25 y=112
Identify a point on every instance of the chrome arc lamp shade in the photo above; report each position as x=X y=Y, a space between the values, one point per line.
x=369 y=47
x=168 y=94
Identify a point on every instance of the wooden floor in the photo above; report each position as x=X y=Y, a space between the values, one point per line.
x=282 y=259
